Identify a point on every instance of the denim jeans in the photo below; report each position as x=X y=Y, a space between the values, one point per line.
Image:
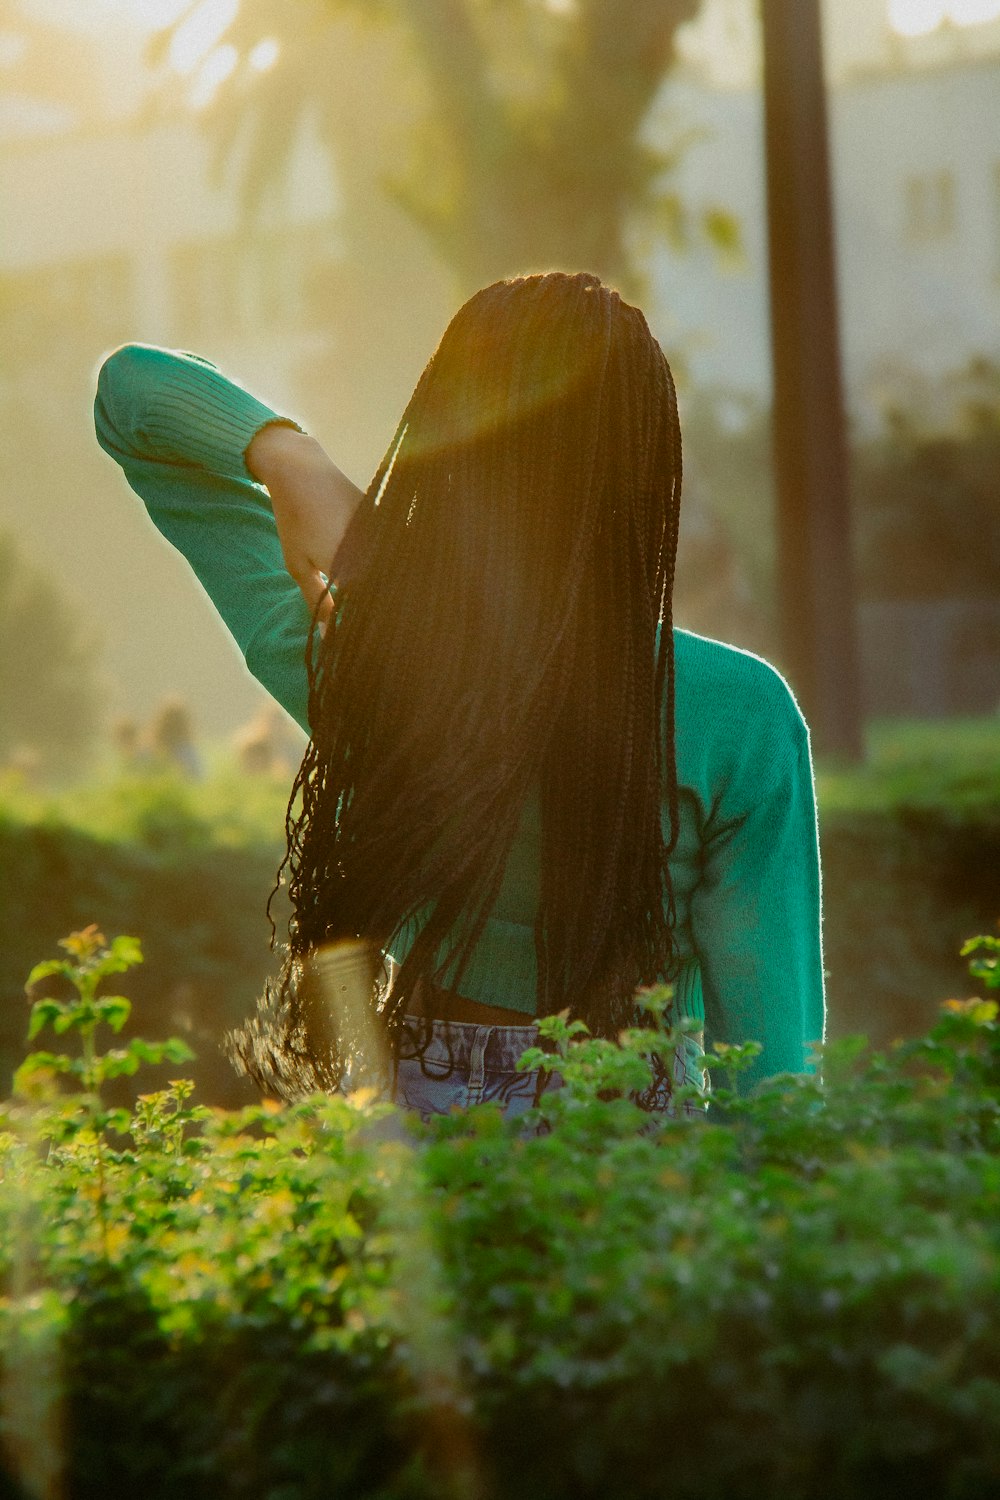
x=485 y=1068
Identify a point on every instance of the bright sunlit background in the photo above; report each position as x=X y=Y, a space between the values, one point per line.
x=287 y=188
x=237 y=177
x=919 y=17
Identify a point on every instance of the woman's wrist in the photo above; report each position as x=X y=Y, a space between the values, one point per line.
x=312 y=503
x=277 y=445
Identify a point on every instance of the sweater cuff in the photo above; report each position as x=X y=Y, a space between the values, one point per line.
x=219 y=420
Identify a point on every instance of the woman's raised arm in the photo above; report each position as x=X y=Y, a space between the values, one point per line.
x=181 y=431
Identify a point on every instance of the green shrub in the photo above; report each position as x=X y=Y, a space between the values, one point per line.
x=797 y=1298
x=911 y=863
x=170 y=860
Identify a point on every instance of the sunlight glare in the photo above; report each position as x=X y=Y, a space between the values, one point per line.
x=265 y=54
x=153 y=14
x=12 y=48
x=214 y=71
x=195 y=37
x=974 y=12
x=96 y=15
x=916 y=17
x=920 y=17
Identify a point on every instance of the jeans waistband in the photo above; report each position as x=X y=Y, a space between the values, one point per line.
x=502 y=1045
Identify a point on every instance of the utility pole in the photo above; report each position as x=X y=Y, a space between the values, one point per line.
x=815 y=562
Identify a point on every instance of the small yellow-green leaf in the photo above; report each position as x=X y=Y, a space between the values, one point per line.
x=84 y=944
x=128 y=949
x=46 y=967
x=723 y=232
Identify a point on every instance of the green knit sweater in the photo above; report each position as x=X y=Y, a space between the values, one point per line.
x=745 y=869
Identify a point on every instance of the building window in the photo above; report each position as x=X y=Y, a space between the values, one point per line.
x=929 y=206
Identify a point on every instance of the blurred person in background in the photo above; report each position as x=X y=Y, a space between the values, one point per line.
x=130 y=746
x=170 y=739
x=267 y=745
x=523 y=784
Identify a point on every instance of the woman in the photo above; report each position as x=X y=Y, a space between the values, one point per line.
x=522 y=783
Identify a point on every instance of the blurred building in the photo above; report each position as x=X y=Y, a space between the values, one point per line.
x=158 y=252
x=915 y=145
x=118 y=225
x=915 y=142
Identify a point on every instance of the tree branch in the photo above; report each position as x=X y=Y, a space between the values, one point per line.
x=455 y=60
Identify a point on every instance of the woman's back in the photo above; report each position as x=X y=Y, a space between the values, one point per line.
x=744 y=868
x=485 y=742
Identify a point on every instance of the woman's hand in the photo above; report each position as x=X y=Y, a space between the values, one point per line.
x=312 y=503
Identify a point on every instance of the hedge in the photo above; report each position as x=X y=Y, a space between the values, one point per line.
x=800 y=1301
x=902 y=888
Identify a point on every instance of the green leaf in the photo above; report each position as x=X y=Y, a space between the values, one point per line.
x=42 y=1013
x=127 y=951
x=987 y=969
x=177 y=1051
x=534 y=1058
x=723 y=232
x=143 y=1051
x=114 y=1010
x=47 y=967
x=120 y=1064
x=736 y=1058
x=41 y=1062
x=670 y=218
x=980 y=944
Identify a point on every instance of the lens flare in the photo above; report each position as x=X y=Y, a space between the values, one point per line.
x=337 y=1001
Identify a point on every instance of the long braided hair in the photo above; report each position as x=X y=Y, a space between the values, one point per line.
x=506 y=631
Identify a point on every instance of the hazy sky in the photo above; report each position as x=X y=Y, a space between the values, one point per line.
x=908 y=16
x=94 y=15
x=725 y=36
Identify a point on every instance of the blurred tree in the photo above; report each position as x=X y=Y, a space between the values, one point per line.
x=529 y=148
x=924 y=487
x=48 y=683
x=928 y=515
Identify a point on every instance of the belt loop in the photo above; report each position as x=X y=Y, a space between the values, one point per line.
x=477 y=1060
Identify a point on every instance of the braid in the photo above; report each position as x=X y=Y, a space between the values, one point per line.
x=508 y=629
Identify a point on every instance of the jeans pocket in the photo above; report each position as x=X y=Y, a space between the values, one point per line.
x=435 y=1095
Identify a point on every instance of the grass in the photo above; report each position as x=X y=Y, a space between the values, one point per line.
x=952 y=763
x=226 y=808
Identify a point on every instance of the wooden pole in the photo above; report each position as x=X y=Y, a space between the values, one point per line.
x=815 y=563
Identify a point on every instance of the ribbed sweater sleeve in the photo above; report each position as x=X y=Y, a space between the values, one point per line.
x=180 y=429
x=756 y=910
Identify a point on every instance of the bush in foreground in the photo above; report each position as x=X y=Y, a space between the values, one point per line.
x=796 y=1297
